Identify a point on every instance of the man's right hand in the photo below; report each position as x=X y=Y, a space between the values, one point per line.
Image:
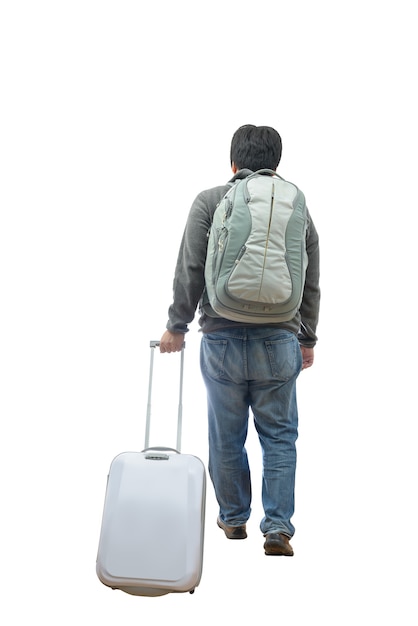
x=307 y=357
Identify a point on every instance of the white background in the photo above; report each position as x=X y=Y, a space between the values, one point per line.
x=114 y=115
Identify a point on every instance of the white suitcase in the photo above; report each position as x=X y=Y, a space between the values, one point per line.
x=152 y=533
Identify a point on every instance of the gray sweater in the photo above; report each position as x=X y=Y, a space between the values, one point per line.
x=189 y=278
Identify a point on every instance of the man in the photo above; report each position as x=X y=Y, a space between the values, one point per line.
x=247 y=365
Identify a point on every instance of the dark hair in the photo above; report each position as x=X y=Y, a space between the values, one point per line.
x=256 y=148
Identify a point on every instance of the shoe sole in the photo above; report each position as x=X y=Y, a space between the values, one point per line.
x=276 y=553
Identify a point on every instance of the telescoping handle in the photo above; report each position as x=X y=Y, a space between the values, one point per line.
x=153 y=345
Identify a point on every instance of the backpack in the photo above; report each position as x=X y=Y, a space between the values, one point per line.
x=256 y=257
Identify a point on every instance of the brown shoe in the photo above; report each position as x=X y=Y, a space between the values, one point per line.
x=277 y=544
x=232 y=532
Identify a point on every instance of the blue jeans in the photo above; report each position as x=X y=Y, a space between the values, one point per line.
x=255 y=367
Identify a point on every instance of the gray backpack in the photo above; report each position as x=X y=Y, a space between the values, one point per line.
x=256 y=258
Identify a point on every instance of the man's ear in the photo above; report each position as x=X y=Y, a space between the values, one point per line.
x=234 y=168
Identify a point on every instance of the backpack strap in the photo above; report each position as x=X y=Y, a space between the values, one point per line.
x=230 y=185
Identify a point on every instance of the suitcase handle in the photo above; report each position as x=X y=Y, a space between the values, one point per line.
x=158 y=453
x=155 y=344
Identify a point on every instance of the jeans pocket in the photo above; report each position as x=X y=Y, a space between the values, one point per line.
x=284 y=357
x=213 y=356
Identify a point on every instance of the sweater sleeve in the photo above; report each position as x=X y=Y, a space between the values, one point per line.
x=189 y=276
x=309 y=309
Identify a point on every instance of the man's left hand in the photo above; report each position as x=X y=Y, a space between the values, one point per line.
x=171 y=342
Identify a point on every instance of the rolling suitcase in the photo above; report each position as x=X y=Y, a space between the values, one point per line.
x=152 y=532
